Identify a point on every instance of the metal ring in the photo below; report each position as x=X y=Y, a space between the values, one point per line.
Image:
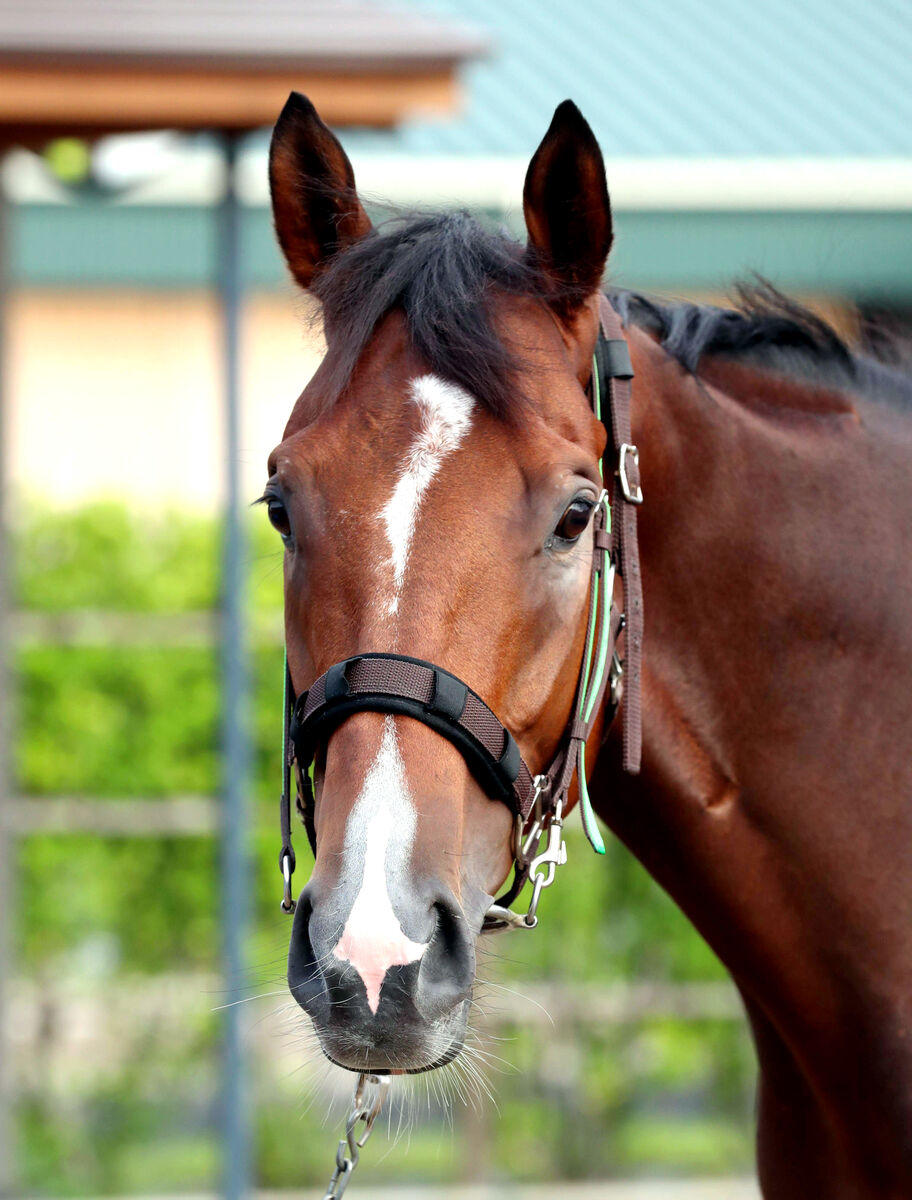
x=288 y=903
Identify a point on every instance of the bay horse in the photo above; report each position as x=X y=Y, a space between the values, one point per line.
x=435 y=490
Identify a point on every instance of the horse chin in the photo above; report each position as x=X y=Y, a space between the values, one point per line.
x=397 y=1051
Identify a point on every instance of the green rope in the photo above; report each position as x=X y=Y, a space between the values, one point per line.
x=587 y=702
x=602 y=657
x=589 y=826
x=590 y=644
x=593 y=674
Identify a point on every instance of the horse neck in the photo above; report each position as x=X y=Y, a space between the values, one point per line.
x=772 y=802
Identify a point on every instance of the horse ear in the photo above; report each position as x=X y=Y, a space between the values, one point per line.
x=314 y=202
x=566 y=206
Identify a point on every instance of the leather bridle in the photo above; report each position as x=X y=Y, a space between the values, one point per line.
x=395 y=683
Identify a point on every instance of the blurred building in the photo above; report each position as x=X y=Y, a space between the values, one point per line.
x=763 y=137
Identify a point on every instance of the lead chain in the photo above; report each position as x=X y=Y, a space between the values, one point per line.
x=370 y=1092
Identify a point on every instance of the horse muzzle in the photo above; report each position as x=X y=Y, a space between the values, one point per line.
x=394 y=1003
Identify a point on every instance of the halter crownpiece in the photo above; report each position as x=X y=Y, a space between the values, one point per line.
x=395 y=683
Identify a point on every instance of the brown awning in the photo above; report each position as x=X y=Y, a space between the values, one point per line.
x=93 y=66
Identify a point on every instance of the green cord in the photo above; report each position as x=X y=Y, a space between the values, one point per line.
x=590 y=644
x=602 y=656
x=591 y=829
x=592 y=686
x=591 y=689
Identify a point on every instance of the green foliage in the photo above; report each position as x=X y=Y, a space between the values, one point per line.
x=116 y=723
x=151 y=900
x=124 y=722
x=124 y=1131
x=105 y=557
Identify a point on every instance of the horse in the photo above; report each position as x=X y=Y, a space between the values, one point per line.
x=437 y=490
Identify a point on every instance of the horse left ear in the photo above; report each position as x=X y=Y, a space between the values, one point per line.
x=566 y=206
x=315 y=205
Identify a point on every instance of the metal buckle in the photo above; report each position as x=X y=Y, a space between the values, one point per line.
x=635 y=495
x=541 y=784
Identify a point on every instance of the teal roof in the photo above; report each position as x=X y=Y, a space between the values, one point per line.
x=714 y=78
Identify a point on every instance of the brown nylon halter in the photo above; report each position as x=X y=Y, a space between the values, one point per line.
x=412 y=687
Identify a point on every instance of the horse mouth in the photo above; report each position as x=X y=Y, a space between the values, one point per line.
x=398 y=1049
x=454 y=1050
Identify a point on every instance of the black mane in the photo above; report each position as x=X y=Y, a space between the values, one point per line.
x=763 y=320
x=772 y=331
x=441 y=270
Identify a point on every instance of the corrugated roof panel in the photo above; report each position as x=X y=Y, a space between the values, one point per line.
x=693 y=77
x=305 y=31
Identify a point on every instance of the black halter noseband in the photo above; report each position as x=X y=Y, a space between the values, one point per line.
x=395 y=683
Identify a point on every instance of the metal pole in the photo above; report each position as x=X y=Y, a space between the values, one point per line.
x=7 y=1164
x=235 y=750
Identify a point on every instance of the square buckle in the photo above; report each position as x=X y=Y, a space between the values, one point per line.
x=631 y=495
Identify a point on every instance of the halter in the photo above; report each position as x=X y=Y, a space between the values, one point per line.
x=395 y=683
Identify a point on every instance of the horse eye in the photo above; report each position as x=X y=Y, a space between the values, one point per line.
x=574 y=520
x=278 y=516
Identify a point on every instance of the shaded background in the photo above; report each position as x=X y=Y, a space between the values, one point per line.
x=744 y=137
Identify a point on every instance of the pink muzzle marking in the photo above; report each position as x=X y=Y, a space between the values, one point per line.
x=372 y=943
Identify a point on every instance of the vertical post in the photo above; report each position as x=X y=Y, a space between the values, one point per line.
x=7 y=1164
x=235 y=752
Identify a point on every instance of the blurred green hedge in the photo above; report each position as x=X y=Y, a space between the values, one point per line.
x=143 y=721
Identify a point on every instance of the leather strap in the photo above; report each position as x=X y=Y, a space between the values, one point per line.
x=623 y=527
x=414 y=688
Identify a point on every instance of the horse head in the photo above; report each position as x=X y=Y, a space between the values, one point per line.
x=434 y=491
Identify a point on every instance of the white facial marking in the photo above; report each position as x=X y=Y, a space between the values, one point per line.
x=446 y=416
x=380 y=829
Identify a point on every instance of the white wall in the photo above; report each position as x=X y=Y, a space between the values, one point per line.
x=118 y=393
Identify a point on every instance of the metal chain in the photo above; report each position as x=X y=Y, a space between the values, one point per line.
x=370 y=1092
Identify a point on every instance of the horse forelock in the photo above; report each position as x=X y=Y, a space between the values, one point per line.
x=445 y=273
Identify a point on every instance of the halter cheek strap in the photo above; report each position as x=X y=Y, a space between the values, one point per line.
x=396 y=683
x=613 y=365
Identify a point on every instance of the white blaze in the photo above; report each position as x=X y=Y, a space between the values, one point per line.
x=381 y=827
x=446 y=416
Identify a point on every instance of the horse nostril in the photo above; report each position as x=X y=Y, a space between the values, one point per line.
x=447 y=969
x=304 y=978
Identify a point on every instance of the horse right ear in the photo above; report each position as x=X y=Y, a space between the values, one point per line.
x=314 y=202
x=565 y=203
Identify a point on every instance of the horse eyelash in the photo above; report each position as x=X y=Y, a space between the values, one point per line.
x=269 y=493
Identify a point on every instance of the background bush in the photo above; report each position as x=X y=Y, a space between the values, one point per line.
x=644 y=1096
